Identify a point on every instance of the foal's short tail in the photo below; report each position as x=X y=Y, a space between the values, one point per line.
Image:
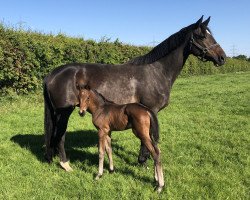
x=154 y=128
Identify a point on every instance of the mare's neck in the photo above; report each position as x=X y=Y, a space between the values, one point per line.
x=173 y=63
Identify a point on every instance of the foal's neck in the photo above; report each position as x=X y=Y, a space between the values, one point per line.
x=97 y=103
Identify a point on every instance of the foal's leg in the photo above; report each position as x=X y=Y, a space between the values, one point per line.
x=155 y=152
x=109 y=153
x=102 y=138
x=142 y=132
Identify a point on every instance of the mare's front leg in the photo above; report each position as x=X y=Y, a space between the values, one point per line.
x=144 y=154
x=102 y=138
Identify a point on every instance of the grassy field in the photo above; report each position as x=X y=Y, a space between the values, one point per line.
x=205 y=144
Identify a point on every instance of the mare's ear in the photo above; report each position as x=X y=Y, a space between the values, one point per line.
x=205 y=23
x=198 y=23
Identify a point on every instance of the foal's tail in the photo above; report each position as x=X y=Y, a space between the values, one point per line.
x=154 y=128
x=48 y=122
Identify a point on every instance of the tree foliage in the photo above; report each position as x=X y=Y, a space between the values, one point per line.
x=26 y=57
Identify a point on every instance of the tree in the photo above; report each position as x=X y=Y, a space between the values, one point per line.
x=241 y=57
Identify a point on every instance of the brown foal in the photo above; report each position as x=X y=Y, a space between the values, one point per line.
x=108 y=116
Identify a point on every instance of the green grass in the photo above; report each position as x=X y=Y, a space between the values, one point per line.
x=205 y=145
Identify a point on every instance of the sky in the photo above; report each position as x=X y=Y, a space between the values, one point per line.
x=137 y=22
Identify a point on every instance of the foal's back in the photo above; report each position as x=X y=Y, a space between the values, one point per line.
x=121 y=117
x=112 y=117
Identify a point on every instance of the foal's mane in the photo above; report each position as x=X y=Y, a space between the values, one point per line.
x=164 y=48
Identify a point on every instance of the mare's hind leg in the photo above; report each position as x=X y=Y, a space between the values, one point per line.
x=49 y=152
x=49 y=128
x=59 y=139
x=109 y=153
x=144 y=154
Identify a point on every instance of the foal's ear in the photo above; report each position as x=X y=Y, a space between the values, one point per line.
x=198 y=23
x=80 y=86
x=87 y=87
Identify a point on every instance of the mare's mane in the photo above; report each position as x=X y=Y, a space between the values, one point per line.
x=164 y=48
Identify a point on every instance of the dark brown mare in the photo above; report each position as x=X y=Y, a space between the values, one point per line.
x=108 y=116
x=147 y=79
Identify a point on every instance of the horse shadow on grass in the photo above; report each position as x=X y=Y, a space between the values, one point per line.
x=75 y=143
x=74 y=140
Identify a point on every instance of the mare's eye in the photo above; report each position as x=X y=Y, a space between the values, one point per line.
x=200 y=37
x=203 y=37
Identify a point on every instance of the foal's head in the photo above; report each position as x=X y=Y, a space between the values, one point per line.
x=84 y=99
x=89 y=100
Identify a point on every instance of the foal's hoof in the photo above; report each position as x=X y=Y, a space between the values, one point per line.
x=82 y=113
x=65 y=166
x=111 y=171
x=98 y=177
x=159 y=189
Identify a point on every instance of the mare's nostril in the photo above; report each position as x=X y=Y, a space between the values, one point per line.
x=222 y=59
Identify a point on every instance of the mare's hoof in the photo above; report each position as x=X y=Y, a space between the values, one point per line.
x=48 y=158
x=49 y=161
x=142 y=160
x=111 y=171
x=65 y=166
x=143 y=157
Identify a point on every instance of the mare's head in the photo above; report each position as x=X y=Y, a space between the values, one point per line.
x=203 y=44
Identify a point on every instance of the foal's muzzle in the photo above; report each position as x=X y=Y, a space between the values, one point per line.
x=82 y=113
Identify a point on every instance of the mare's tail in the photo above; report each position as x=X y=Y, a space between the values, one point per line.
x=49 y=123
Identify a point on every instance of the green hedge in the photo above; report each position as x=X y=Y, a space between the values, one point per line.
x=26 y=57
